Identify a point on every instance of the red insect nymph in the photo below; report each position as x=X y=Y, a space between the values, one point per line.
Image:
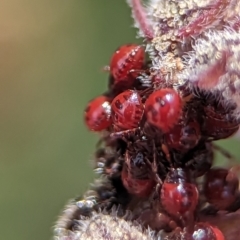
x=205 y=231
x=178 y=194
x=163 y=108
x=125 y=59
x=97 y=114
x=137 y=187
x=221 y=187
x=127 y=110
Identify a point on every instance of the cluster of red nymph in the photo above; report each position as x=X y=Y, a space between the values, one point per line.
x=157 y=148
x=167 y=102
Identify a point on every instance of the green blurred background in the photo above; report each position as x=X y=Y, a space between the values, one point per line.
x=51 y=55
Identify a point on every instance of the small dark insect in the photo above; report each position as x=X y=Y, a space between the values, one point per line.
x=136 y=175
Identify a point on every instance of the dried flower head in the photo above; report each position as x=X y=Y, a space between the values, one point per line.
x=194 y=43
x=165 y=105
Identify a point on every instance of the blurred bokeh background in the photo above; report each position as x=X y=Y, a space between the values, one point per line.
x=51 y=55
